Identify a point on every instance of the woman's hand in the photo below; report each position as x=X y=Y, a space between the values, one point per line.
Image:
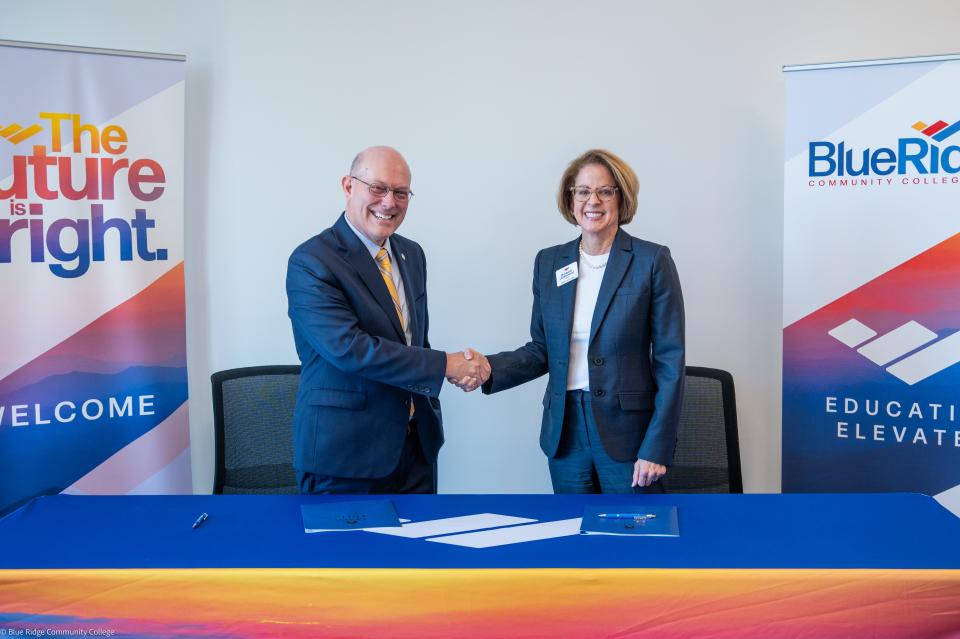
x=645 y=472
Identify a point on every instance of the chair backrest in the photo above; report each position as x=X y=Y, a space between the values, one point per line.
x=707 y=459
x=253 y=428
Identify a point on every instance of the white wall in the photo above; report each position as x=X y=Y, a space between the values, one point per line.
x=489 y=101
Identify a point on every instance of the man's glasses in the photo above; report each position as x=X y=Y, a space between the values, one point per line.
x=381 y=190
x=582 y=193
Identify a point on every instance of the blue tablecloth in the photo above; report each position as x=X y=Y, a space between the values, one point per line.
x=899 y=531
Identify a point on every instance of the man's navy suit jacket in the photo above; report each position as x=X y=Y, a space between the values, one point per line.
x=358 y=375
x=635 y=352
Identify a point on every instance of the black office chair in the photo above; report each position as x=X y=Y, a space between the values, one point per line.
x=708 y=446
x=253 y=427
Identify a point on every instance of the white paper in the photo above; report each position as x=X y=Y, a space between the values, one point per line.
x=627 y=534
x=514 y=534
x=449 y=525
x=950 y=499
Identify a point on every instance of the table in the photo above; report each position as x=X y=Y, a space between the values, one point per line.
x=877 y=565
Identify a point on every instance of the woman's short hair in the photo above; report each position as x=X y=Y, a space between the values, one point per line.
x=623 y=176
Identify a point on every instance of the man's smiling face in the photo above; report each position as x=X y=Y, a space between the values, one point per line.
x=376 y=217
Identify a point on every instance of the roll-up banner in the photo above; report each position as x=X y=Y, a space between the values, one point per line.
x=871 y=381
x=93 y=377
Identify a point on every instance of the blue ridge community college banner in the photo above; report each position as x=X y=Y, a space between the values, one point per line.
x=93 y=377
x=871 y=381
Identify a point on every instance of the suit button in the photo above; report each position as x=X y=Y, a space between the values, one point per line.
x=599 y=392
x=598 y=361
x=426 y=389
x=405 y=402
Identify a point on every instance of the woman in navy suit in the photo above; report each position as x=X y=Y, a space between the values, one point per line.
x=608 y=328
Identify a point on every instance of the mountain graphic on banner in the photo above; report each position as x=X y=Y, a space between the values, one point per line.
x=147 y=329
x=102 y=388
x=870 y=399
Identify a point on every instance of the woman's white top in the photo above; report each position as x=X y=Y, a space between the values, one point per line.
x=591 y=269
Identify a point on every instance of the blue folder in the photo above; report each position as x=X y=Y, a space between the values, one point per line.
x=349 y=515
x=649 y=521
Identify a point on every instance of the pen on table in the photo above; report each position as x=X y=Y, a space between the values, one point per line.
x=202 y=518
x=634 y=516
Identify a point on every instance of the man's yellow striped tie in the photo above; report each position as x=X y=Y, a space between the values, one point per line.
x=386 y=270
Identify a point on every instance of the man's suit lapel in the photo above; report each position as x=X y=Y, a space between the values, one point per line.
x=621 y=254
x=357 y=255
x=567 y=293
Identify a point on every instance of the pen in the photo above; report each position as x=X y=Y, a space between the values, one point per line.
x=634 y=516
x=202 y=518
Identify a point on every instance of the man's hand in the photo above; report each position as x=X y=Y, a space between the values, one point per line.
x=645 y=472
x=467 y=370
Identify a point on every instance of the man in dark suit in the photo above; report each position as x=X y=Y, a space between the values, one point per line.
x=367 y=418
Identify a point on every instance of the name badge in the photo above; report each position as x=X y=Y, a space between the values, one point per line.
x=567 y=274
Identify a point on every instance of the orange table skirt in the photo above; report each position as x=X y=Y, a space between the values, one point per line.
x=418 y=604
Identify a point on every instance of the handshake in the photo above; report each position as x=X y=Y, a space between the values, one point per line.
x=467 y=370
